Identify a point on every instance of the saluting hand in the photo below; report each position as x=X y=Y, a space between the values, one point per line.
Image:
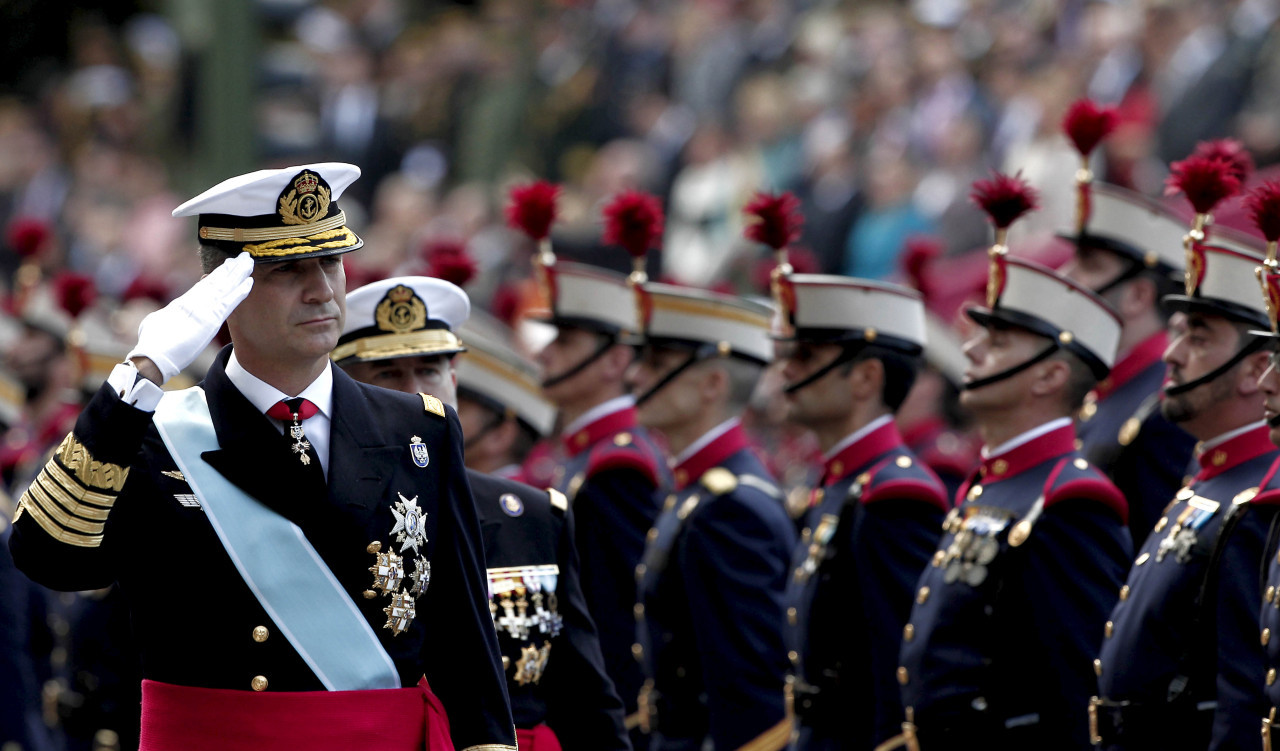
x=175 y=335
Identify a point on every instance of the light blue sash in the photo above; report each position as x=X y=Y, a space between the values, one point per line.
x=290 y=580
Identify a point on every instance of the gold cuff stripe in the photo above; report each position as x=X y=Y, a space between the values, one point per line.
x=57 y=533
x=292 y=246
x=37 y=496
x=68 y=502
x=397 y=345
x=773 y=739
x=57 y=474
x=92 y=473
x=259 y=234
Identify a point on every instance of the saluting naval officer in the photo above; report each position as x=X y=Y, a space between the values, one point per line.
x=400 y=335
x=710 y=610
x=611 y=470
x=1128 y=249
x=299 y=552
x=1008 y=615
x=851 y=349
x=1180 y=660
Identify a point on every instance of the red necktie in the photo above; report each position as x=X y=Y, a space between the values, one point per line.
x=295 y=411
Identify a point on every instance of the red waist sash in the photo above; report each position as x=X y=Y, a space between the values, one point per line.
x=537 y=738
x=207 y=719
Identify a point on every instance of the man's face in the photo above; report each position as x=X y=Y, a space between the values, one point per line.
x=421 y=374
x=570 y=347
x=827 y=398
x=678 y=400
x=1093 y=268
x=994 y=349
x=1201 y=343
x=294 y=312
x=1269 y=384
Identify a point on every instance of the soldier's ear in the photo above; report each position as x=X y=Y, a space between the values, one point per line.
x=867 y=379
x=1052 y=377
x=1251 y=371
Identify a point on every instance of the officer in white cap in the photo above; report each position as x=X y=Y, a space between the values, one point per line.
x=710 y=611
x=302 y=550
x=1037 y=548
x=400 y=335
x=851 y=349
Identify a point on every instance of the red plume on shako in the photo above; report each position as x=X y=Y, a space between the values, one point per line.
x=447 y=259
x=1086 y=124
x=1231 y=151
x=1004 y=199
x=634 y=221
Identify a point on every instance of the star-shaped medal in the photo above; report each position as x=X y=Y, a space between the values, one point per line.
x=387 y=572
x=409 y=528
x=421 y=576
x=400 y=613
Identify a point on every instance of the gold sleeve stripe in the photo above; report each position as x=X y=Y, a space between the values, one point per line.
x=775 y=738
x=82 y=510
x=57 y=533
x=90 y=472
x=36 y=496
x=58 y=475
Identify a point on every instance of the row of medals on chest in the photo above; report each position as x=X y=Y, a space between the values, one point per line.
x=389 y=566
x=509 y=607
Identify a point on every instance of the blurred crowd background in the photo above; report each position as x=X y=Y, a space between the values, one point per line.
x=878 y=115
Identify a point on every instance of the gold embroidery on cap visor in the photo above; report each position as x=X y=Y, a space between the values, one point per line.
x=387 y=346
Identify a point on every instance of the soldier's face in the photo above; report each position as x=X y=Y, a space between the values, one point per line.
x=294 y=313
x=1269 y=384
x=822 y=400
x=679 y=399
x=994 y=349
x=571 y=347
x=1199 y=345
x=424 y=374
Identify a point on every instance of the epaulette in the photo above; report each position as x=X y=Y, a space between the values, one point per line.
x=432 y=404
x=902 y=477
x=616 y=454
x=1076 y=478
x=1267 y=492
x=559 y=501
x=719 y=481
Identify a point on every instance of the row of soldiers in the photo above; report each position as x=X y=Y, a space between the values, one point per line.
x=659 y=596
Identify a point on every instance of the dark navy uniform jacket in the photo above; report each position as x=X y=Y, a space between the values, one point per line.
x=612 y=475
x=1164 y=647
x=555 y=672
x=711 y=612
x=1265 y=676
x=1122 y=433
x=110 y=506
x=870 y=531
x=1008 y=615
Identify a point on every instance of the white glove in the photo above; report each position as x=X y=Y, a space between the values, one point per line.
x=175 y=335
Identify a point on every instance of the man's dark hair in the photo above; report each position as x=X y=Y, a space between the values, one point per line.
x=1080 y=381
x=211 y=257
x=899 y=373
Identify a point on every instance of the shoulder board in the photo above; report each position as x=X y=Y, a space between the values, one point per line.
x=1078 y=479
x=559 y=501
x=719 y=481
x=432 y=404
x=608 y=455
x=903 y=477
x=761 y=484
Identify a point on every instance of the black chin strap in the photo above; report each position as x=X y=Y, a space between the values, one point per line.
x=1044 y=354
x=576 y=369
x=845 y=356
x=1244 y=352
x=704 y=352
x=489 y=427
x=1134 y=269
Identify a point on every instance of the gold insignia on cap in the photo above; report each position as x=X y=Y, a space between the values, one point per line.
x=1195 y=267
x=400 y=311
x=1066 y=337
x=306 y=202
x=995 y=276
x=1269 y=278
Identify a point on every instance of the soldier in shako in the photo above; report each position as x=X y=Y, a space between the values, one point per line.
x=400 y=335
x=709 y=611
x=611 y=471
x=1128 y=249
x=850 y=349
x=1008 y=614
x=299 y=551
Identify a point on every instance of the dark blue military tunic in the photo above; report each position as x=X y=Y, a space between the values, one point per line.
x=612 y=475
x=1264 y=676
x=1123 y=433
x=121 y=511
x=711 y=613
x=872 y=527
x=1164 y=653
x=555 y=672
x=1008 y=615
